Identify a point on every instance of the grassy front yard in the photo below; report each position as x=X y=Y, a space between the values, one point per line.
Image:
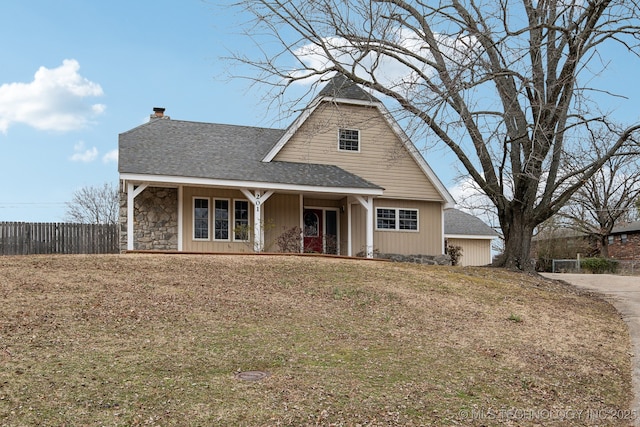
x=160 y=339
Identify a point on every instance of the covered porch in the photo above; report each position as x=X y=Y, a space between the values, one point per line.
x=232 y=217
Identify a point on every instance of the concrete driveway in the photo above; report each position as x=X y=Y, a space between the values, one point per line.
x=624 y=293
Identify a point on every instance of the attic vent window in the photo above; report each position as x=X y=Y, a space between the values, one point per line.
x=349 y=140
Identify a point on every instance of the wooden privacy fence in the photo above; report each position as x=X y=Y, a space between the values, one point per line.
x=25 y=238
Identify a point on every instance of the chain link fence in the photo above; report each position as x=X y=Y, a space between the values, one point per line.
x=624 y=267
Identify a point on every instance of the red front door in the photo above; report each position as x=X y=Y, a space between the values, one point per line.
x=312 y=221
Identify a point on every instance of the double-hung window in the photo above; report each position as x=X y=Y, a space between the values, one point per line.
x=229 y=219
x=397 y=219
x=349 y=140
x=386 y=219
x=200 y=219
x=221 y=219
x=241 y=220
x=407 y=219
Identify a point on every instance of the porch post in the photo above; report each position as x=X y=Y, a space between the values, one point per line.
x=258 y=232
x=180 y=217
x=349 y=229
x=367 y=203
x=257 y=199
x=132 y=193
x=301 y=198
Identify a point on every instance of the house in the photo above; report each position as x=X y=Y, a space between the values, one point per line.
x=471 y=234
x=344 y=174
x=561 y=242
x=624 y=241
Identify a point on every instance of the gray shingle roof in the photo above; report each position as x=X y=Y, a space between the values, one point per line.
x=341 y=87
x=628 y=227
x=457 y=222
x=218 y=151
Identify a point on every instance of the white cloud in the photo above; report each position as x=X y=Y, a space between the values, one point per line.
x=459 y=52
x=54 y=100
x=84 y=155
x=111 y=156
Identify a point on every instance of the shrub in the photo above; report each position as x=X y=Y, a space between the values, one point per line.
x=290 y=240
x=455 y=252
x=599 y=265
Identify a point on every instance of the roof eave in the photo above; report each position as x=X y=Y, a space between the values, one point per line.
x=182 y=180
x=469 y=236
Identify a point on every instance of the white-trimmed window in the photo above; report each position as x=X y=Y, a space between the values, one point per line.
x=397 y=219
x=408 y=219
x=241 y=220
x=348 y=140
x=200 y=218
x=221 y=219
x=623 y=238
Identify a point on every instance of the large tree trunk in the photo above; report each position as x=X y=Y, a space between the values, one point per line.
x=604 y=246
x=517 y=242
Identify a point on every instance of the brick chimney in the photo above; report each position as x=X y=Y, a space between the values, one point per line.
x=158 y=113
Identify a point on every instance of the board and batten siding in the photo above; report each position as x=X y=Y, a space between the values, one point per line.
x=427 y=241
x=475 y=252
x=382 y=158
x=191 y=245
x=280 y=212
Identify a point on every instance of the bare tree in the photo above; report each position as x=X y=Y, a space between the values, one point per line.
x=606 y=199
x=94 y=205
x=502 y=83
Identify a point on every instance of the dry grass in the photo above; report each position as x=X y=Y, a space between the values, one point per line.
x=157 y=339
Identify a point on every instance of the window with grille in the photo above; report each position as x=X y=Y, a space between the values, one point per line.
x=397 y=219
x=241 y=220
x=221 y=230
x=349 y=140
x=200 y=219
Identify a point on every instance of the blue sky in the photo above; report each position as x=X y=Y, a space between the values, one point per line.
x=76 y=73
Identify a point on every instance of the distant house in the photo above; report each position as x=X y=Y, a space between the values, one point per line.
x=343 y=173
x=562 y=243
x=624 y=241
x=471 y=234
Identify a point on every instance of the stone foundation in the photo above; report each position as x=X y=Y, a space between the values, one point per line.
x=416 y=259
x=155 y=220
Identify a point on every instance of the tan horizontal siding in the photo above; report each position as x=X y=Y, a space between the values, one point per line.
x=382 y=158
x=474 y=251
